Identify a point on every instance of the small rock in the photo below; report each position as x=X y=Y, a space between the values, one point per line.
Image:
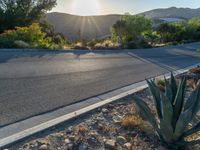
x=69 y=130
x=82 y=147
x=110 y=144
x=71 y=137
x=25 y=146
x=128 y=146
x=121 y=140
x=104 y=110
x=43 y=147
x=67 y=141
x=70 y=146
x=117 y=119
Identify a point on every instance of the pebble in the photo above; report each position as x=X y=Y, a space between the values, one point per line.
x=121 y=140
x=82 y=147
x=43 y=147
x=69 y=130
x=67 y=141
x=110 y=144
x=104 y=110
x=117 y=119
x=128 y=146
x=70 y=146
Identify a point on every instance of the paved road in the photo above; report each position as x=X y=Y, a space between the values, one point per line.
x=34 y=82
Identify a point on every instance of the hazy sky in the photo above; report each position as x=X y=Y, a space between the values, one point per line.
x=99 y=7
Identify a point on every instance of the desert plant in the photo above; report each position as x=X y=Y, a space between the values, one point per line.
x=31 y=35
x=174 y=112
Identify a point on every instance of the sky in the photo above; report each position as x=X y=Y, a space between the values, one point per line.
x=103 y=7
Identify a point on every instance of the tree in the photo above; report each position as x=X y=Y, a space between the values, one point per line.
x=167 y=32
x=129 y=27
x=22 y=12
x=118 y=32
x=136 y=25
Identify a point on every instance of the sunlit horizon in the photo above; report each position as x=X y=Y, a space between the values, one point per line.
x=105 y=7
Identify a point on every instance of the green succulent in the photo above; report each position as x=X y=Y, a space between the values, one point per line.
x=174 y=112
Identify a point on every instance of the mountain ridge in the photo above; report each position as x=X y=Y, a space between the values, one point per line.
x=76 y=27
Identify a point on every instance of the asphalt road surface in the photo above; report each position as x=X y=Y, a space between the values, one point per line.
x=36 y=82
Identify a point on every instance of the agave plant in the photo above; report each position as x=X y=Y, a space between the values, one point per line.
x=174 y=112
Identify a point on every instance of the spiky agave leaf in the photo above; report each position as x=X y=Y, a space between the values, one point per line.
x=146 y=111
x=166 y=131
x=193 y=101
x=167 y=109
x=168 y=91
x=174 y=86
x=173 y=115
x=179 y=101
x=166 y=122
x=156 y=96
x=182 y=123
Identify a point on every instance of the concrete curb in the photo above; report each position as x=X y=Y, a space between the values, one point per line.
x=20 y=130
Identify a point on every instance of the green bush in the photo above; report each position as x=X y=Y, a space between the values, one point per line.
x=174 y=113
x=185 y=31
x=31 y=35
x=6 y=42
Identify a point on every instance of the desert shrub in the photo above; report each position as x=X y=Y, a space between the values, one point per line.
x=6 y=42
x=80 y=46
x=174 y=113
x=92 y=43
x=187 y=31
x=59 y=40
x=106 y=44
x=31 y=35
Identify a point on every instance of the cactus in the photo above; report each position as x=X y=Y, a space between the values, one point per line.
x=174 y=112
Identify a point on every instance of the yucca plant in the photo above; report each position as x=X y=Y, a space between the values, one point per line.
x=174 y=112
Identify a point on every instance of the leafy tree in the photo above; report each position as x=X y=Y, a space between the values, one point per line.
x=136 y=25
x=193 y=26
x=168 y=32
x=129 y=27
x=119 y=31
x=20 y=13
x=151 y=36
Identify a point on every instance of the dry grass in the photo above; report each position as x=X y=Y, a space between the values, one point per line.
x=161 y=84
x=193 y=83
x=82 y=129
x=131 y=121
x=195 y=70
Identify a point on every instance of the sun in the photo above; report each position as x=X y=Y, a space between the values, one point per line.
x=86 y=7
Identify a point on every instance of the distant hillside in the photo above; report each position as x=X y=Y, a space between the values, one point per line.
x=173 y=12
x=76 y=27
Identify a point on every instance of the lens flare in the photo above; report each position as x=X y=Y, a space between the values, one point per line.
x=86 y=7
